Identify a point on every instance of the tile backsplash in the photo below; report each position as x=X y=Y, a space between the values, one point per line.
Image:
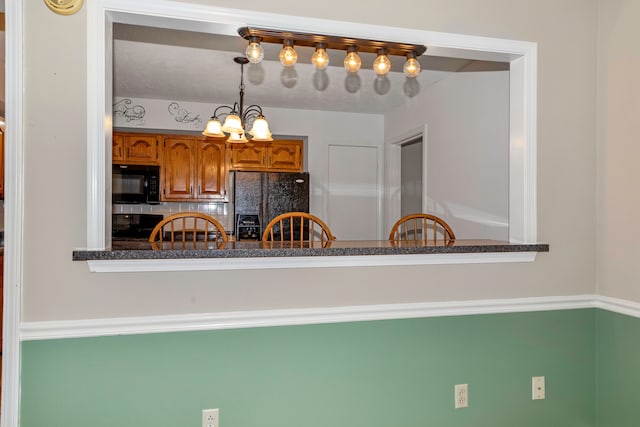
x=221 y=211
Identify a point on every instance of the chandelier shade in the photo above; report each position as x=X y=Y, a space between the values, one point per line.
x=260 y=130
x=232 y=124
x=213 y=128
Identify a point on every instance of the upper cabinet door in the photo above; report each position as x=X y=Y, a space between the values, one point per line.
x=179 y=167
x=136 y=149
x=117 y=148
x=142 y=149
x=248 y=156
x=275 y=156
x=285 y=156
x=211 y=172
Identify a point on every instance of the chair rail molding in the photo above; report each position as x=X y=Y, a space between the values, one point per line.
x=305 y=316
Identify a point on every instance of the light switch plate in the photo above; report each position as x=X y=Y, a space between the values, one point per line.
x=537 y=388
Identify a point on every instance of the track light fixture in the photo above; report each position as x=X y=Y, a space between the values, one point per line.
x=320 y=59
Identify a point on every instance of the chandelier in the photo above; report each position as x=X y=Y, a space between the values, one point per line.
x=237 y=118
x=320 y=59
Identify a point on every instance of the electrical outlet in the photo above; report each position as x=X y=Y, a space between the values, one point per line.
x=210 y=418
x=537 y=388
x=461 y=396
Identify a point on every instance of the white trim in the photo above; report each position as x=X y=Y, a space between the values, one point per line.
x=523 y=55
x=202 y=264
x=253 y=319
x=617 y=305
x=14 y=208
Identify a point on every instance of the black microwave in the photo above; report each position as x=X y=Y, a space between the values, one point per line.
x=135 y=184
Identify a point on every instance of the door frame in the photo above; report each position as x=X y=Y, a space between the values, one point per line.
x=394 y=167
x=14 y=213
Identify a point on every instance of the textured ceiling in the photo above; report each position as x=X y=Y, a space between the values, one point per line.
x=198 y=67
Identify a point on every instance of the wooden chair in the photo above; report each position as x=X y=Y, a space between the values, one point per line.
x=421 y=228
x=297 y=227
x=188 y=229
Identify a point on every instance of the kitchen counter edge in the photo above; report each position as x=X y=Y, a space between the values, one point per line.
x=357 y=249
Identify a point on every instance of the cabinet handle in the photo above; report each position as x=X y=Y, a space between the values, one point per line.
x=191 y=190
x=199 y=189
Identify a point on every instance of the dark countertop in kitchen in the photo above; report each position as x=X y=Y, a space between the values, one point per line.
x=141 y=249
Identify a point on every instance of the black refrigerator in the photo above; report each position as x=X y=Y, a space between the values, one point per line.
x=261 y=196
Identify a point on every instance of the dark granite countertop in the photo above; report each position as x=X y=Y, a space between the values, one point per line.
x=140 y=249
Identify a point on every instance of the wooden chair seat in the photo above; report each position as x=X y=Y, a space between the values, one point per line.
x=297 y=227
x=188 y=230
x=421 y=227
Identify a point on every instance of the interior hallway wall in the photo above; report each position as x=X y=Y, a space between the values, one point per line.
x=467 y=150
x=618 y=248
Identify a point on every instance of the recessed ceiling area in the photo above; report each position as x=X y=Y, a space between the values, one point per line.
x=169 y=64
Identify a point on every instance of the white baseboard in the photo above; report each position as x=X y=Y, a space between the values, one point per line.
x=252 y=319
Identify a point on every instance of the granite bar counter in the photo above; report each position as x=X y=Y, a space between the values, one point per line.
x=143 y=250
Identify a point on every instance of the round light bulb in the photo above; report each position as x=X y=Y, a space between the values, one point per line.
x=254 y=51
x=288 y=55
x=320 y=59
x=352 y=61
x=411 y=67
x=382 y=65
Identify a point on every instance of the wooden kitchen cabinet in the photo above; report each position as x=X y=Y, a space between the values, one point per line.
x=275 y=156
x=136 y=149
x=194 y=169
x=211 y=169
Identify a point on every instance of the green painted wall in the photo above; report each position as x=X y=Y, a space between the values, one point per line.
x=618 y=367
x=375 y=374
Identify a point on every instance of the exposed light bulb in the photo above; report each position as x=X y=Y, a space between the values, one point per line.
x=254 y=51
x=288 y=55
x=320 y=59
x=352 y=61
x=382 y=65
x=412 y=66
